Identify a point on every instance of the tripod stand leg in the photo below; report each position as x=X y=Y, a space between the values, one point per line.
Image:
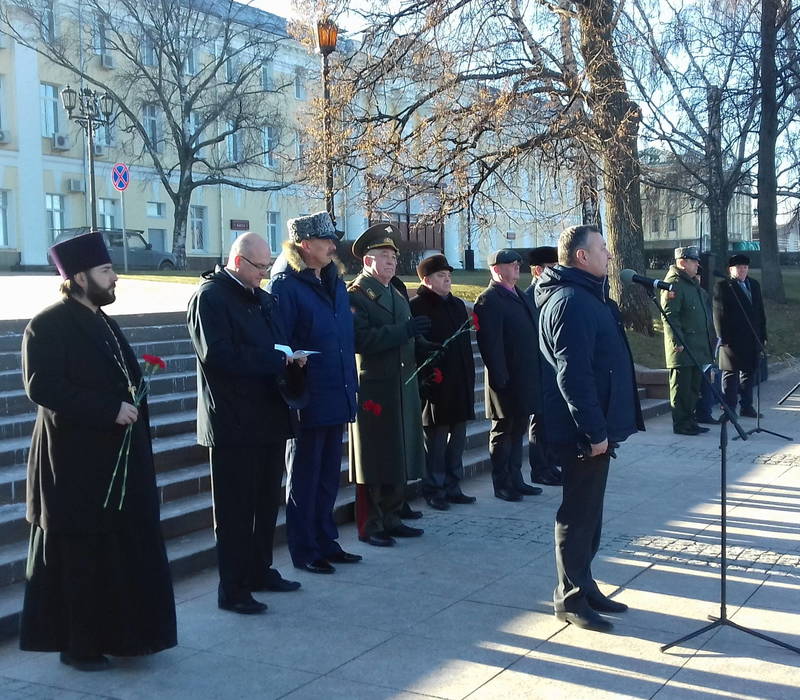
x=692 y=635
x=765 y=637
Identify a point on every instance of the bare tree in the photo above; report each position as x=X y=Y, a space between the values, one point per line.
x=467 y=98
x=192 y=81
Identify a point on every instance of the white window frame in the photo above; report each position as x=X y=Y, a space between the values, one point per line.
x=5 y=219
x=2 y=102
x=99 y=38
x=106 y=212
x=270 y=146
x=233 y=143
x=267 y=75
x=149 y=56
x=273 y=228
x=54 y=212
x=104 y=136
x=299 y=146
x=152 y=125
x=49 y=109
x=198 y=222
x=300 y=92
x=190 y=61
x=48 y=21
x=156 y=210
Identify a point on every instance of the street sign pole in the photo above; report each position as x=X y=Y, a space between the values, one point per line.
x=121 y=178
x=124 y=232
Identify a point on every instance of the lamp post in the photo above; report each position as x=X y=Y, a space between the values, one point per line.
x=90 y=112
x=327 y=33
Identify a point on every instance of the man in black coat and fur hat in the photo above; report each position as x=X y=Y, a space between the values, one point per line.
x=447 y=385
x=98 y=579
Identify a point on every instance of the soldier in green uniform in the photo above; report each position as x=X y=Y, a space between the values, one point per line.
x=688 y=313
x=386 y=440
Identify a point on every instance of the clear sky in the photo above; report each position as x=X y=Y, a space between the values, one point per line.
x=276 y=7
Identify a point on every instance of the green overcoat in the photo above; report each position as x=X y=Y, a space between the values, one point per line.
x=386 y=443
x=689 y=314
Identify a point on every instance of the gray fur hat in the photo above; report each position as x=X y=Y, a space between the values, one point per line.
x=317 y=225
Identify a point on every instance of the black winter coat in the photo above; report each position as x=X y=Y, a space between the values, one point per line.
x=738 y=349
x=70 y=371
x=453 y=400
x=507 y=339
x=240 y=375
x=594 y=395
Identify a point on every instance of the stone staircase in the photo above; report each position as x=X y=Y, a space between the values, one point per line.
x=182 y=471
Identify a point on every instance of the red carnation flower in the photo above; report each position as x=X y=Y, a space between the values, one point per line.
x=372 y=407
x=475 y=324
x=155 y=361
x=437 y=377
x=376 y=408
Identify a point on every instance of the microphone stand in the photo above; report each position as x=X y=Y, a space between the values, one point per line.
x=788 y=394
x=762 y=355
x=728 y=415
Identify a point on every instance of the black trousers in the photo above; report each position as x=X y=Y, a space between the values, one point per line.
x=540 y=457
x=246 y=487
x=444 y=448
x=505 y=451
x=738 y=387
x=579 y=524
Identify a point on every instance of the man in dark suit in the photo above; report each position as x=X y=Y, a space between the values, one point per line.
x=98 y=578
x=508 y=340
x=243 y=417
x=447 y=385
x=544 y=469
x=738 y=310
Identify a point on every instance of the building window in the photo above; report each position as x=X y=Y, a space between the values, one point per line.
x=270 y=144
x=150 y=124
x=299 y=146
x=48 y=95
x=673 y=223
x=299 y=84
x=104 y=135
x=190 y=62
x=54 y=209
x=148 y=50
x=48 y=21
x=273 y=230
x=267 y=77
x=654 y=224
x=106 y=210
x=231 y=68
x=233 y=142
x=197 y=226
x=156 y=210
x=100 y=37
x=2 y=101
x=5 y=237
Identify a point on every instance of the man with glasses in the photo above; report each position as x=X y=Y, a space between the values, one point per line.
x=245 y=391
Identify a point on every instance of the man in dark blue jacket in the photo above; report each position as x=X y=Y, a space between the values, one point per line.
x=243 y=416
x=314 y=306
x=592 y=407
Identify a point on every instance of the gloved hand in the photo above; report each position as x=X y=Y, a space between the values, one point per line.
x=419 y=325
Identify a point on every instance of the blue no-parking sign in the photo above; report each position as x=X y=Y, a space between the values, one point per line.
x=120 y=176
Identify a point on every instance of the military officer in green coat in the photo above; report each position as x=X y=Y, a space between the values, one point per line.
x=386 y=440
x=687 y=312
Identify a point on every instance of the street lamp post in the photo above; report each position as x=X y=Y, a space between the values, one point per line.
x=90 y=112
x=327 y=33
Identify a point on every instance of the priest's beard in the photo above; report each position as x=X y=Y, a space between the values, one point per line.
x=99 y=295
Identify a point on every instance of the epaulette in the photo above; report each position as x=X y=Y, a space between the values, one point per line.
x=369 y=293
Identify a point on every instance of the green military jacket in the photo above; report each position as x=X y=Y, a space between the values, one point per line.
x=386 y=444
x=688 y=312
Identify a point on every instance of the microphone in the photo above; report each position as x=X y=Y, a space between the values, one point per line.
x=631 y=277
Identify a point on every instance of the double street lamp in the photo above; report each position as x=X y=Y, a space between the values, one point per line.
x=90 y=112
x=327 y=33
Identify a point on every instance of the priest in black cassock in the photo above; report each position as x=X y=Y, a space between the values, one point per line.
x=98 y=581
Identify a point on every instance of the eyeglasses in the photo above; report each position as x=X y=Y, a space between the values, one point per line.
x=260 y=268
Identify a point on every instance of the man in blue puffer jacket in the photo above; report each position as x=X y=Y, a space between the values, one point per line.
x=314 y=306
x=592 y=407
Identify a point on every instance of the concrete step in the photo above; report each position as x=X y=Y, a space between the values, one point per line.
x=654 y=407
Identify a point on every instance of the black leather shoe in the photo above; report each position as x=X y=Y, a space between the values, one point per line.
x=407 y=514
x=379 y=539
x=318 y=566
x=750 y=413
x=438 y=503
x=85 y=663
x=274 y=583
x=547 y=478
x=244 y=606
x=528 y=490
x=601 y=603
x=342 y=557
x=709 y=420
x=685 y=431
x=461 y=498
x=507 y=495
x=701 y=429
x=404 y=530
x=586 y=620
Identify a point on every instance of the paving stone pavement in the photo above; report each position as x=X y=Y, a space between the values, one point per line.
x=465 y=610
